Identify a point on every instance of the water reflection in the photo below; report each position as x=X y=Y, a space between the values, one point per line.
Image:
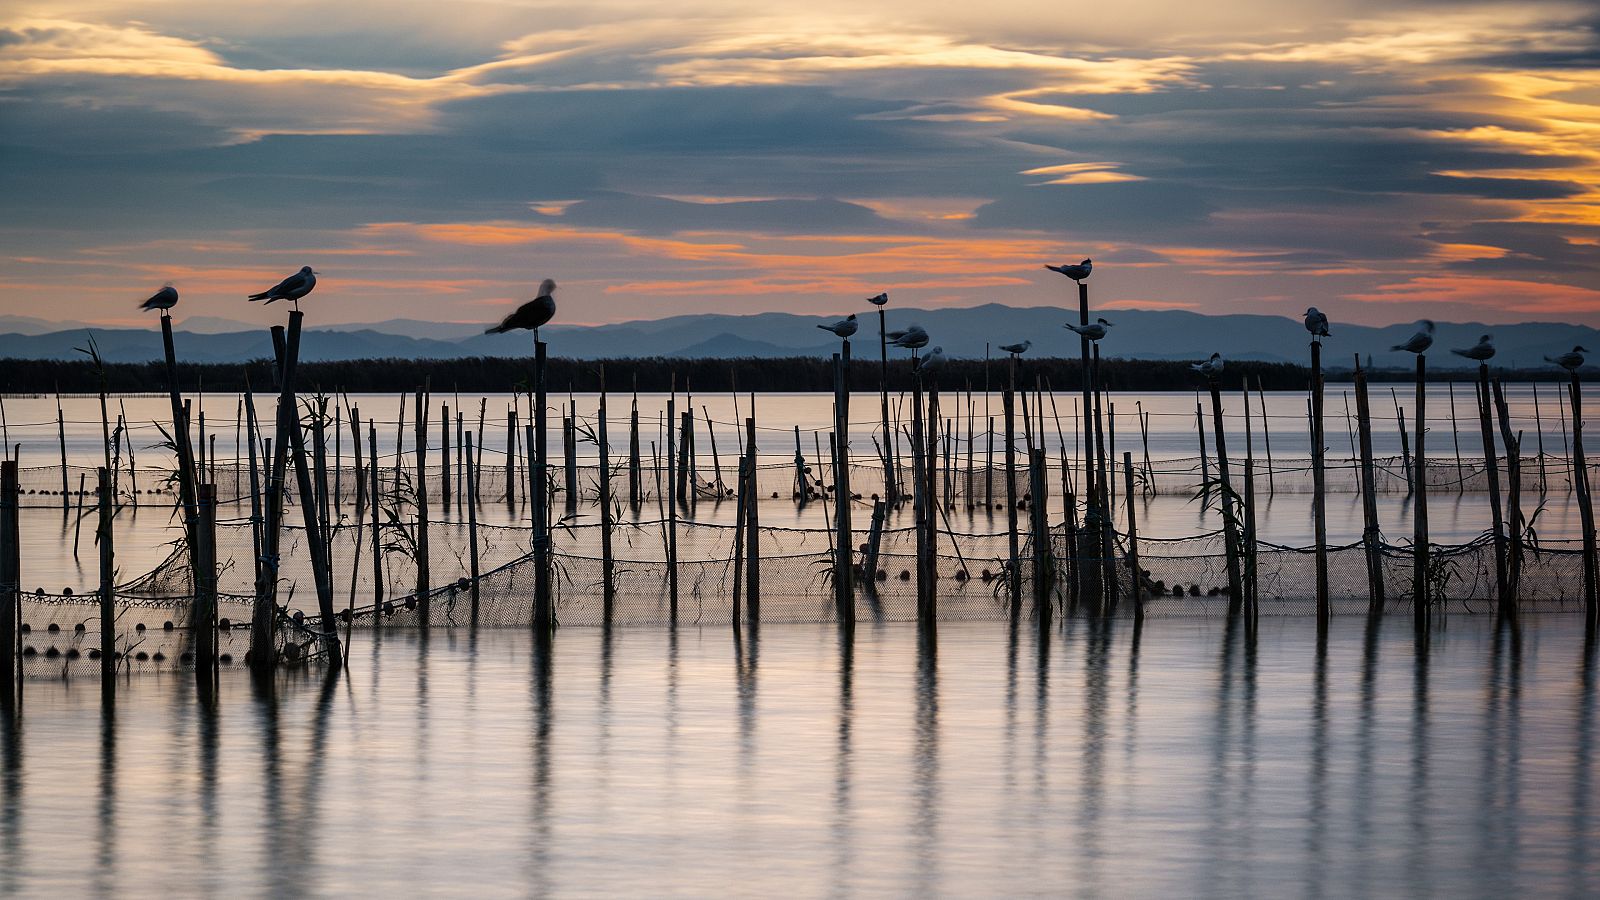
x=925 y=773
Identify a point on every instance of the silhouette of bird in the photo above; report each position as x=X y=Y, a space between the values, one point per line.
x=1077 y=273
x=880 y=300
x=164 y=299
x=933 y=360
x=1317 y=323
x=1419 y=342
x=913 y=338
x=1093 y=332
x=1481 y=351
x=1211 y=368
x=531 y=315
x=843 y=328
x=1017 y=348
x=1571 y=361
x=292 y=288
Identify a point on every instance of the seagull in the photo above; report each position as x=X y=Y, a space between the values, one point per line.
x=1017 y=348
x=531 y=315
x=1570 y=361
x=1480 y=351
x=292 y=288
x=164 y=299
x=1077 y=273
x=1093 y=332
x=1419 y=342
x=1317 y=323
x=1211 y=368
x=880 y=300
x=843 y=328
x=913 y=338
x=933 y=360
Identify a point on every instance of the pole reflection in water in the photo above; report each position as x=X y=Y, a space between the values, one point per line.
x=105 y=857
x=925 y=767
x=842 y=830
x=542 y=816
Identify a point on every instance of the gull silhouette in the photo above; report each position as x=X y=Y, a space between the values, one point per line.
x=531 y=315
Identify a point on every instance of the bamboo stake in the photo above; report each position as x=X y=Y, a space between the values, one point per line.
x=1580 y=483
x=61 y=435
x=360 y=477
x=445 y=491
x=1455 y=439
x=11 y=574
x=752 y=533
x=1251 y=585
x=569 y=450
x=635 y=466
x=1039 y=519
x=741 y=500
x=544 y=620
x=511 y=458
x=424 y=601
x=716 y=459
x=1008 y=405
x=844 y=566
x=1266 y=436
x=377 y=526
x=108 y=600
x=1538 y=426
x=205 y=589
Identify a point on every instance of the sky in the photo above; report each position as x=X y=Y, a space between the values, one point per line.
x=1384 y=161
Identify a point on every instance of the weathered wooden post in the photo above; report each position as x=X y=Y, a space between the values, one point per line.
x=543 y=601
x=377 y=526
x=608 y=585
x=61 y=437
x=108 y=599
x=1251 y=583
x=1516 y=526
x=470 y=475
x=1135 y=574
x=205 y=588
x=1008 y=404
x=263 y=637
x=11 y=572
x=1422 y=596
x=444 y=459
x=752 y=530
x=741 y=498
x=1371 y=535
x=1492 y=472
x=844 y=546
x=424 y=602
x=511 y=458
x=1580 y=484
x=1044 y=565
x=1455 y=436
x=1319 y=484
x=569 y=450
x=635 y=466
x=1230 y=524
x=869 y=567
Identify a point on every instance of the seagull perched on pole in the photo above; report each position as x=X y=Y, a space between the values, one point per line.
x=933 y=360
x=292 y=288
x=164 y=299
x=1211 y=368
x=1419 y=342
x=843 y=328
x=1017 y=349
x=1093 y=332
x=1077 y=273
x=531 y=315
x=1572 y=361
x=1317 y=323
x=1481 y=351
x=880 y=300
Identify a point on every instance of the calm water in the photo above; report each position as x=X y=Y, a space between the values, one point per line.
x=1186 y=761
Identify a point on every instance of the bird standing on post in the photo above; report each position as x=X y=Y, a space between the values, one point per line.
x=1481 y=351
x=1093 y=332
x=932 y=361
x=1016 y=349
x=1419 y=342
x=880 y=300
x=1571 y=361
x=1211 y=368
x=843 y=328
x=531 y=315
x=1317 y=323
x=913 y=338
x=164 y=299
x=1077 y=273
x=292 y=288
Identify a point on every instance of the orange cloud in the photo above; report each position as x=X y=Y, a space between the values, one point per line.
x=1494 y=293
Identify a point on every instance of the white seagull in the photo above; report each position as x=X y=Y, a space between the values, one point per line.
x=913 y=338
x=1077 y=273
x=880 y=300
x=1015 y=349
x=1211 y=368
x=1481 y=351
x=292 y=288
x=1570 y=361
x=843 y=328
x=1317 y=323
x=164 y=299
x=531 y=315
x=1093 y=332
x=1419 y=342
x=933 y=360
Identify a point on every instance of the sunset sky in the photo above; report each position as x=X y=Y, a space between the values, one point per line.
x=1382 y=160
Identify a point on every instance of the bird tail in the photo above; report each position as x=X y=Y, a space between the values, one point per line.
x=497 y=329
x=1459 y=352
x=1398 y=347
x=823 y=327
x=261 y=296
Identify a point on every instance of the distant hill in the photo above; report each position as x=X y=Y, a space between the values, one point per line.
x=965 y=332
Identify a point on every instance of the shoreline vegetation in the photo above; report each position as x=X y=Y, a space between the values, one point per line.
x=803 y=374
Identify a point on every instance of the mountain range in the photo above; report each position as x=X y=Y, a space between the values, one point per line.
x=962 y=332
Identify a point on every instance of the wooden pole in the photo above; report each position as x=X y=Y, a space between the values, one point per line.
x=11 y=575
x=373 y=509
x=1371 y=535
x=635 y=466
x=444 y=460
x=1039 y=519
x=360 y=472
x=741 y=499
x=61 y=437
x=802 y=484
x=255 y=482
x=1008 y=407
x=569 y=450
x=1266 y=436
x=1251 y=585
x=1405 y=440
x=205 y=589
x=108 y=600
x=1580 y=484
x=180 y=427
x=263 y=621
x=1230 y=525
x=1135 y=573
x=1205 y=464
x=716 y=459
x=424 y=585
x=844 y=543
x=1319 y=486
x=1455 y=437
x=1422 y=597
x=608 y=587
x=470 y=475
x=1516 y=526
x=1491 y=466
x=1538 y=430
x=511 y=458
x=752 y=531
x=543 y=601
x=869 y=567
x=891 y=490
